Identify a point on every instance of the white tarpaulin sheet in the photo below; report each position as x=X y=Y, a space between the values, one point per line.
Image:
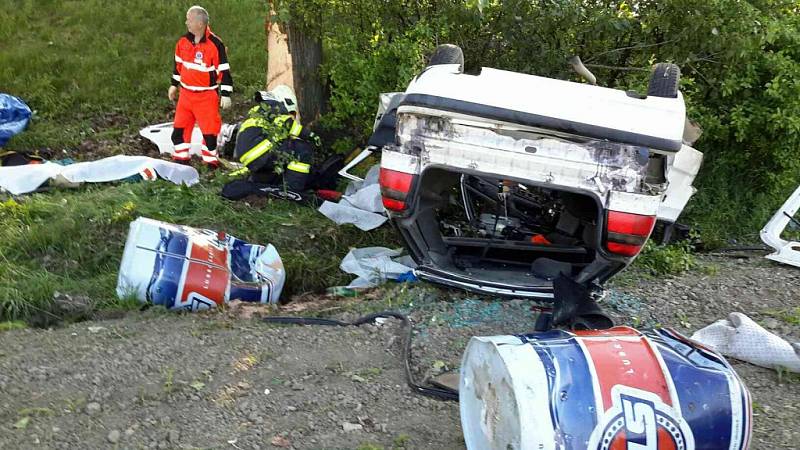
x=740 y=337
x=342 y=214
x=375 y=265
x=23 y=179
x=361 y=206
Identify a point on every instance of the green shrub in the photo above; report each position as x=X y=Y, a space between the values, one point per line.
x=672 y=259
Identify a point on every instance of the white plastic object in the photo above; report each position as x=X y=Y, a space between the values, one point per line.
x=681 y=172
x=375 y=265
x=740 y=337
x=787 y=252
x=181 y=267
x=600 y=390
x=360 y=157
x=161 y=135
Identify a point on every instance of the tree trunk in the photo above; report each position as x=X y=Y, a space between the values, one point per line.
x=306 y=54
x=279 y=62
x=294 y=57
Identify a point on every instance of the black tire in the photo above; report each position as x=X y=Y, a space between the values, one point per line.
x=664 y=80
x=447 y=54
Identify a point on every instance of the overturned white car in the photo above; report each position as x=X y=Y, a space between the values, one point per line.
x=499 y=182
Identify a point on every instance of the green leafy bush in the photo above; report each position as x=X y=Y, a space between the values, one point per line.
x=672 y=259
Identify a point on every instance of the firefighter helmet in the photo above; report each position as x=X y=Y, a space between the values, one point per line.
x=286 y=94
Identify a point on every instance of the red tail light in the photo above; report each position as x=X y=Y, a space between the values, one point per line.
x=395 y=187
x=626 y=233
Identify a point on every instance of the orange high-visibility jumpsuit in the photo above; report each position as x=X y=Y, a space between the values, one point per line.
x=201 y=70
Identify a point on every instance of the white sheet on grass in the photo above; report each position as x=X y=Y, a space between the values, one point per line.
x=23 y=179
x=342 y=214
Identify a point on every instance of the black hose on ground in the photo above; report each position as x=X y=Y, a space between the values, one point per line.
x=741 y=249
x=438 y=393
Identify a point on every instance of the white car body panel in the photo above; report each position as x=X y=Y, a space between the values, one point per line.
x=576 y=104
x=682 y=169
x=786 y=251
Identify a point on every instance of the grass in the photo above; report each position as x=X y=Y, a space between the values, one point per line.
x=786 y=376
x=99 y=70
x=12 y=325
x=791 y=315
x=71 y=241
x=660 y=260
x=401 y=441
x=369 y=446
x=169 y=380
x=96 y=72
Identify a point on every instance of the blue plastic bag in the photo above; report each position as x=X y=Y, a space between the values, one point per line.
x=14 y=117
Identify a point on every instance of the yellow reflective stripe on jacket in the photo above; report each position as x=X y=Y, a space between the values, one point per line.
x=255 y=152
x=280 y=120
x=297 y=166
x=252 y=122
x=238 y=172
x=296 y=129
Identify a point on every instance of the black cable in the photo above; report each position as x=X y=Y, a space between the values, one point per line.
x=792 y=219
x=739 y=249
x=438 y=393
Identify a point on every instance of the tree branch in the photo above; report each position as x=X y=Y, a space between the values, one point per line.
x=632 y=47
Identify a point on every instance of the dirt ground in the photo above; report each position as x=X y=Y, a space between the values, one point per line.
x=162 y=380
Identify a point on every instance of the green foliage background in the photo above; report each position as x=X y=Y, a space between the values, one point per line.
x=740 y=62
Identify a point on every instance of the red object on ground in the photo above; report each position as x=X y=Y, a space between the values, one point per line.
x=327 y=194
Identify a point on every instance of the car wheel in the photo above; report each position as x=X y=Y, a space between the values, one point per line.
x=447 y=54
x=664 y=80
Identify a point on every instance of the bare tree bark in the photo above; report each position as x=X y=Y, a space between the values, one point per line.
x=279 y=61
x=294 y=59
x=306 y=54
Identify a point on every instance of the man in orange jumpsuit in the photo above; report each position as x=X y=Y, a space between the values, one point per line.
x=203 y=74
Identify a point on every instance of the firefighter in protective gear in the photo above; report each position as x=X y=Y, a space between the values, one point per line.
x=273 y=145
x=203 y=75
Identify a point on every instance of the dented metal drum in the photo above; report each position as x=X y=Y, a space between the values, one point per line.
x=181 y=267
x=616 y=389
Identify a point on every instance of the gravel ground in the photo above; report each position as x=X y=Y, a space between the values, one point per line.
x=162 y=380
